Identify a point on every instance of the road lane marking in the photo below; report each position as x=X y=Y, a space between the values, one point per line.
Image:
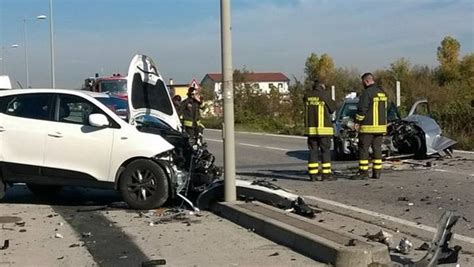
x=304 y=137
x=463 y=151
x=256 y=146
x=251 y=145
x=388 y=217
x=263 y=134
x=277 y=148
x=214 y=140
x=454 y=172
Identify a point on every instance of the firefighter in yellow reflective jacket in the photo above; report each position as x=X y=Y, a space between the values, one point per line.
x=371 y=122
x=190 y=115
x=318 y=124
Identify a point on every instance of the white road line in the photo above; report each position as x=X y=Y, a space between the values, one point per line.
x=214 y=140
x=251 y=145
x=388 y=217
x=277 y=148
x=303 y=137
x=463 y=151
x=263 y=134
x=454 y=172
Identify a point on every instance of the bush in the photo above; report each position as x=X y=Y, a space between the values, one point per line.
x=212 y=122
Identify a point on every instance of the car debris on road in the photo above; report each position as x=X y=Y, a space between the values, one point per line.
x=404 y=246
x=381 y=237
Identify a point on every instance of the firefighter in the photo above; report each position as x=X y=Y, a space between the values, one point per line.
x=190 y=115
x=318 y=124
x=177 y=102
x=371 y=122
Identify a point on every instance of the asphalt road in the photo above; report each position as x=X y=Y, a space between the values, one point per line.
x=88 y=227
x=409 y=193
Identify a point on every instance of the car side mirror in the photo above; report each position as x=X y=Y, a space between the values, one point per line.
x=98 y=120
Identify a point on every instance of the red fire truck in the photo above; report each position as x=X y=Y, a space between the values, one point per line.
x=114 y=85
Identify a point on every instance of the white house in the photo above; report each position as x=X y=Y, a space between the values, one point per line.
x=264 y=80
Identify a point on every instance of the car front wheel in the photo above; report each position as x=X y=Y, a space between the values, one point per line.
x=144 y=185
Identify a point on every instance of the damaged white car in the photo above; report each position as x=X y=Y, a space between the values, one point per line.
x=51 y=138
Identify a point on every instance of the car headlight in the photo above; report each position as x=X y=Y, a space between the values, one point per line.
x=167 y=155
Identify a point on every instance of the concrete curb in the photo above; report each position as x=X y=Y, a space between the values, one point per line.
x=304 y=235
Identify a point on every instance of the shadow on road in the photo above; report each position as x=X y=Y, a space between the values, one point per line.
x=293 y=175
x=277 y=174
x=299 y=154
x=304 y=154
x=68 y=196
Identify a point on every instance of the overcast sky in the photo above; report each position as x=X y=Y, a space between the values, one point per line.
x=183 y=36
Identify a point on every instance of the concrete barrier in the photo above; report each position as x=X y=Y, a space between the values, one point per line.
x=304 y=235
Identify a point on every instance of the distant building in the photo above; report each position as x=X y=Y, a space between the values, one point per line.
x=263 y=80
x=182 y=89
x=178 y=89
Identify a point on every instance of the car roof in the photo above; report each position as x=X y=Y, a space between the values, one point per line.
x=351 y=100
x=55 y=91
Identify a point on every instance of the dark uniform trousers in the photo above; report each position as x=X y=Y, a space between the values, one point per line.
x=316 y=144
x=365 y=142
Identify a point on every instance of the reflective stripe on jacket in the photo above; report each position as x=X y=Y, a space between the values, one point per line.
x=372 y=110
x=318 y=109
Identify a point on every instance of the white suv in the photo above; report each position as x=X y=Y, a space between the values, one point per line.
x=50 y=138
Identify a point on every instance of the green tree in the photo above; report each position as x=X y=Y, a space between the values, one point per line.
x=448 y=57
x=311 y=69
x=319 y=68
x=400 y=69
x=466 y=69
x=326 y=69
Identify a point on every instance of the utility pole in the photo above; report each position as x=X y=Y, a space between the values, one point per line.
x=27 y=71
x=227 y=81
x=51 y=36
x=333 y=92
x=398 y=93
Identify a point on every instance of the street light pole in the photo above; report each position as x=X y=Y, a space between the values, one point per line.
x=53 y=78
x=26 y=55
x=227 y=82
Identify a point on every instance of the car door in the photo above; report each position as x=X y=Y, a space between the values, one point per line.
x=74 y=149
x=23 y=122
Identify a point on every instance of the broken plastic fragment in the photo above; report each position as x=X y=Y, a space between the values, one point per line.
x=6 y=244
x=153 y=263
x=58 y=235
x=405 y=246
x=381 y=237
x=425 y=246
x=86 y=234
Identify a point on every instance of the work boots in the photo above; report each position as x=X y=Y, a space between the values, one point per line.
x=376 y=174
x=315 y=177
x=328 y=177
x=361 y=175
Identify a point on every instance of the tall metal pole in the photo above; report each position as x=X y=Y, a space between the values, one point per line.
x=26 y=56
x=398 y=93
x=227 y=81
x=2 y=58
x=51 y=34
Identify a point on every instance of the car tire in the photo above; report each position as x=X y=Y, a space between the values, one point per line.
x=3 y=188
x=144 y=185
x=44 y=190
